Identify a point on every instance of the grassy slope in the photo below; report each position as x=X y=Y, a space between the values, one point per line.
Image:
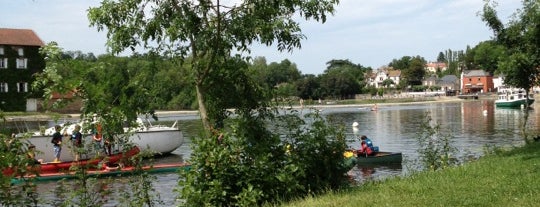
x=506 y=179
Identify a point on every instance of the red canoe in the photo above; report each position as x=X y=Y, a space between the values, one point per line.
x=107 y=172
x=64 y=166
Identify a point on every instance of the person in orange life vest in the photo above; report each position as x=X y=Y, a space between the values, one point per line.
x=97 y=137
x=366 y=147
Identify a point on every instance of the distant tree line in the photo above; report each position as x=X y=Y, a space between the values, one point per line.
x=342 y=79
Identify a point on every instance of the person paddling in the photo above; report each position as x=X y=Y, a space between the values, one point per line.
x=366 y=147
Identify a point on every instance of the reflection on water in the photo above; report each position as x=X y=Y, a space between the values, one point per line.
x=362 y=173
x=472 y=125
x=165 y=184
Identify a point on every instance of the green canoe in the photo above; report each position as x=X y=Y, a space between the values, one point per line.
x=381 y=158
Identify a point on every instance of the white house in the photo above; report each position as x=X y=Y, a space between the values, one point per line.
x=434 y=66
x=377 y=79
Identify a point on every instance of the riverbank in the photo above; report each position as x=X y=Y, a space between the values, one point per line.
x=502 y=178
x=388 y=101
x=37 y=116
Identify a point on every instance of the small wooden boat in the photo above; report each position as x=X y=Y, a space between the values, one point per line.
x=381 y=158
x=53 y=167
x=107 y=172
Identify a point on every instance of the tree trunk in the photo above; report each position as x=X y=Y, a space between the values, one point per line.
x=524 y=131
x=202 y=108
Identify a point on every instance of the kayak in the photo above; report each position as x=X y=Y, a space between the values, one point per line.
x=107 y=172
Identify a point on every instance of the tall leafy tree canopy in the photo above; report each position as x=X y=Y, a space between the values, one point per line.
x=400 y=64
x=342 y=79
x=521 y=37
x=412 y=68
x=441 y=57
x=487 y=55
x=208 y=31
x=283 y=72
x=356 y=71
x=308 y=87
x=415 y=73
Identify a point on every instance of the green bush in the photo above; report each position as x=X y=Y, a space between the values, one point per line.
x=13 y=159
x=264 y=160
x=435 y=147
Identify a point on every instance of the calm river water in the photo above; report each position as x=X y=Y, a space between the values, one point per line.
x=473 y=125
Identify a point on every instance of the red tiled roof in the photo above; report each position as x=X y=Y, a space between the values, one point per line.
x=21 y=37
x=436 y=65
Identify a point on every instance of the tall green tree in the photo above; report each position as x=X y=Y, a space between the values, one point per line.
x=441 y=58
x=258 y=69
x=416 y=72
x=308 y=87
x=521 y=37
x=520 y=65
x=283 y=72
x=401 y=64
x=342 y=79
x=209 y=32
x=468 y=63
x=412 y=69
x=487 y=55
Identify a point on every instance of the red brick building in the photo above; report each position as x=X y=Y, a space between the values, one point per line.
x=476 y=81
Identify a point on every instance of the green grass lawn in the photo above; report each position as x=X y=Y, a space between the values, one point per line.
x=510 y=178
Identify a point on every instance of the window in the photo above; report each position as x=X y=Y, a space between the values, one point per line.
x=1 y=50
x=22 y=87
x=22 y=63
x=3 y=87
x=20 y=51
x=3 y=63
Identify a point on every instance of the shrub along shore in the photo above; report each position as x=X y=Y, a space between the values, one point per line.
x=501 y=178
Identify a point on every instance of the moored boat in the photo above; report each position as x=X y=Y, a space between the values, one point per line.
x=381 y=158
x=157 y=139
x=57 y=167
x=513 y=99
x=107 y=172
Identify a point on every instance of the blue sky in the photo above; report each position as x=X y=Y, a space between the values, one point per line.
x=367 y=32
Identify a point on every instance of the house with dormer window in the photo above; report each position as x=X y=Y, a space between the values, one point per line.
x=19 y=61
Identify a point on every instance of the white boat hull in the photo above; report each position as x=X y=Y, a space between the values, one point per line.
x=159 y=140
